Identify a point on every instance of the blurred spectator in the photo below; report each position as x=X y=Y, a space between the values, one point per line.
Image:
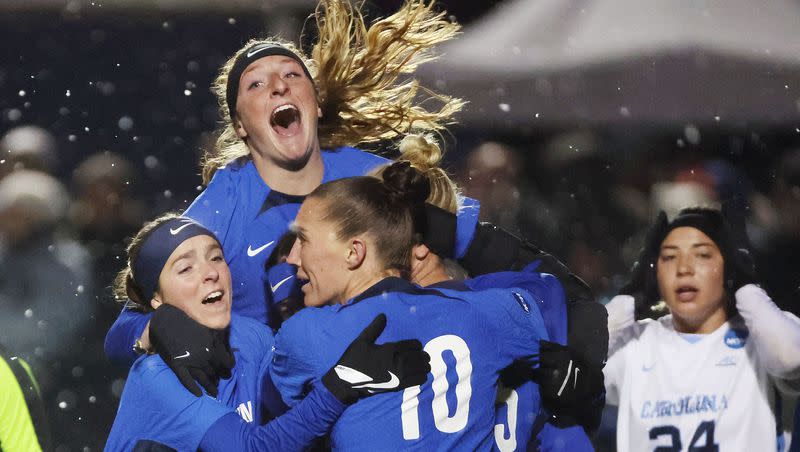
x=23 y=426
x=105 y=213
x=591 y=220
x=45 y=287
x=27 y=147
x=44 y=277
x=778 y=259
x=495 y=175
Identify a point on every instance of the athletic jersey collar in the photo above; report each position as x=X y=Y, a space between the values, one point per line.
x=666 y=323
x=390 y=284
x=451 y=284
x=275 y=198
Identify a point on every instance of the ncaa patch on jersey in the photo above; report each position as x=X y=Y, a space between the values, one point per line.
x=736 y=337
x=522 y=303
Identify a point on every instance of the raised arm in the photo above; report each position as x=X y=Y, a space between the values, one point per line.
x=775 y=335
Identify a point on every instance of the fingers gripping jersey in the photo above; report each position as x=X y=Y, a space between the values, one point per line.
x=518 y=419
x=470 y=336
x=157 y=407
x=712 y=394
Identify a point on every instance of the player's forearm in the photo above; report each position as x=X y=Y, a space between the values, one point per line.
x=294 y=430
x=775 y=333
x=129 y=326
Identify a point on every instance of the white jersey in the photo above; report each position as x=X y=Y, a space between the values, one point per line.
x=673 y=395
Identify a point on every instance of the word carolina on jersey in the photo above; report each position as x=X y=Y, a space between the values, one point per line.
x=690 y=404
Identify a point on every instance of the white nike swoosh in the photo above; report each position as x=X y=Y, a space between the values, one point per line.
x=280 y=283
x=351 y=375
x=566 y=378
x=253 y=52
x=391 y=384
x=185 y=355
x=176 y=231
x=252 y=252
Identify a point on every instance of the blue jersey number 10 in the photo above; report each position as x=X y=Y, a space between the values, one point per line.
x=444 y=423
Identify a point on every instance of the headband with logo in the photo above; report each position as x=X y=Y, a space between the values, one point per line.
x=156 y=249
x=254 y=53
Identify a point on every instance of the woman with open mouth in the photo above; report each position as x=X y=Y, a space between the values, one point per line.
x=176 y=266
x=289 y=121
x=354 y=243
x=705 y=376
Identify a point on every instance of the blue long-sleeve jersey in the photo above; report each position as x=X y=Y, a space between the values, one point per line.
x=518 y=425
x=249 y=219
x=471 y=336
x=156 y=410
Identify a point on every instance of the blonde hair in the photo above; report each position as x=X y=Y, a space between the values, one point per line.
x=424 y=154
x=357 y=71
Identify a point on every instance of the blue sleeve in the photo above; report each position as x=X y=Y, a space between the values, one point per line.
x=545 y=288
x=555 y=439
x=294 y=362
x=466 y=222
x=514 y=320
x=553 y=304
x=214 y=207
x=157 y=407
x=295 y=430
x=123 y=333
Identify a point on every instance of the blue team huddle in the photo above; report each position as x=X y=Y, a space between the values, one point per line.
x=319 y=296
x=207 y=372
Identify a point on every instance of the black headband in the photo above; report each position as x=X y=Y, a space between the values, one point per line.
x=440 y=231
x=709 y=221
x=711 y=224
x=254 y=53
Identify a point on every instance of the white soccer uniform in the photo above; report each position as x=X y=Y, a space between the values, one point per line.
x=715 y=394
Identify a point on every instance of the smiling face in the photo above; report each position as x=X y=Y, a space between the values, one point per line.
x=277 y=111
x=320 y=256
x=690 y=274
x=197 y=280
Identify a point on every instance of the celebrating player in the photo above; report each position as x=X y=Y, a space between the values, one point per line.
x=518 y=421
x=177 y=266
x=288 y=120
x=354 y=238
x=280 y=120
x=700 y=378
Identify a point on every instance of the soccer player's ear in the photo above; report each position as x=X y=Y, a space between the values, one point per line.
x=356 y=253
x=155 y=302
x=420 y=252
x=240 y=131
x=418 y=255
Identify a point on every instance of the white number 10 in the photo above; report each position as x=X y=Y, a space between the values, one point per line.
x=444 y=422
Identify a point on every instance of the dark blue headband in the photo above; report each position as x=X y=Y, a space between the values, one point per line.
x=254 y=53
x=156 y=249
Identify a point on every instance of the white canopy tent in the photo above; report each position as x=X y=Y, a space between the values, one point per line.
x=733 y=61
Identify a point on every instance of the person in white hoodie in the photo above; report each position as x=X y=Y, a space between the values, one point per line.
x=703 y=377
